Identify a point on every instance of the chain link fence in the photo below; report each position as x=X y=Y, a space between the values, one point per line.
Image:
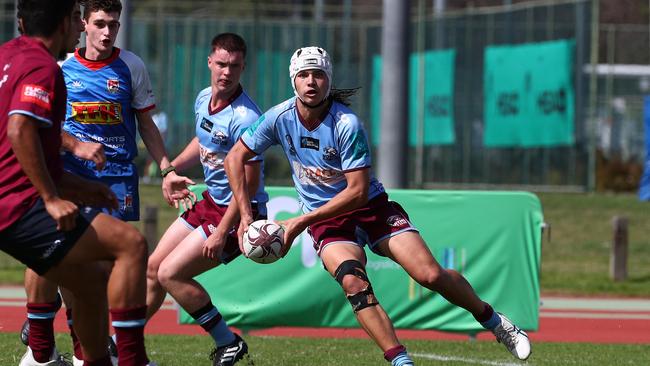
x=173 y=39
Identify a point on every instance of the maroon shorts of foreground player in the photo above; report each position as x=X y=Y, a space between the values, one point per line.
x=377 y=220
x=207 y=214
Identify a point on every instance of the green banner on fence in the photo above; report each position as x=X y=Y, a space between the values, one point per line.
x=529 y=98
x=499 y=255
x=431 y=92
x=272 y=82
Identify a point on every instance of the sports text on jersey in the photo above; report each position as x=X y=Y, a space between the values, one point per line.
x=101 y=113
x=36 y=94
x=212 y=159
x=316 y=176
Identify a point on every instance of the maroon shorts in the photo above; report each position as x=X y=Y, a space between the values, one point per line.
x=368 y=225
x=207 y=215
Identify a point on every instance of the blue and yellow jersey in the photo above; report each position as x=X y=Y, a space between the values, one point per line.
x=103 y=97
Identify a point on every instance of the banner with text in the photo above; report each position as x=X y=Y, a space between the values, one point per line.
x=529 y=97
x=500 y=256
x=430 y=97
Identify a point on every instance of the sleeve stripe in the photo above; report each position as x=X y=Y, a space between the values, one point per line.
x=145 y=109
x=246 y=146
x=359 y=168
x=32 y=115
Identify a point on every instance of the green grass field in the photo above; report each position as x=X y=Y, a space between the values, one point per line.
x=277 y=351
x=575 y=260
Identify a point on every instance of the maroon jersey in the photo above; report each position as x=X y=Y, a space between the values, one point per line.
x=31 y=84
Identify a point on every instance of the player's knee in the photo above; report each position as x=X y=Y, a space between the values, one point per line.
x=152 y=270
x=354 y=281
x=431 y=277
x=135 y=244
x=165 y=275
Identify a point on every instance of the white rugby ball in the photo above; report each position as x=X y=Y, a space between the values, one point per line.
x=263 y=241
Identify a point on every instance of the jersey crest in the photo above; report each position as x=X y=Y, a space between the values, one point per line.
x=113 y=86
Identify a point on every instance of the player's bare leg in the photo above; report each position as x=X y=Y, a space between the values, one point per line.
x=110 y=239
x=68 y=299
x=172 y=237
x=176 y=275
x=178 y=269
x=409 y=250
x=88 y=283
x=373 y=319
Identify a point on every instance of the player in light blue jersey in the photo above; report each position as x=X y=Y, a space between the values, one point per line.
x=205 y=235
x=345 y=207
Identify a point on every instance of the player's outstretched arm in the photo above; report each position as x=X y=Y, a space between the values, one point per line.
x=22 y=132
x=234 y=164
x=213 y=246
x=174 y=187
x=189 y=157
x=92 y=151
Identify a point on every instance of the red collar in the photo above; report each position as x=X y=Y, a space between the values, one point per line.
x=98 y=64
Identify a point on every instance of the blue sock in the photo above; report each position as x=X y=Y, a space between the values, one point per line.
x=212 y=322
x=222 y=334
x=493 y=322
x=402 y=359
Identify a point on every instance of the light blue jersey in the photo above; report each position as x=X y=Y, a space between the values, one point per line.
x=218 y=131
x=320 y=157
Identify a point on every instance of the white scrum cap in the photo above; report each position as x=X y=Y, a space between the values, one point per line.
x=310 y=58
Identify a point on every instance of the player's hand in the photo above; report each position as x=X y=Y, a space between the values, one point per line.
x=292 y=228
x=91 y=151
x=174 y=187
x=244 y=223
x=213 y=246
x=186 y=202
x=63 y=212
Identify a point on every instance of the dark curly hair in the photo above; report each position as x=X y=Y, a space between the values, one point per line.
x=108 y=6
x=42 y=17
x=343 y=95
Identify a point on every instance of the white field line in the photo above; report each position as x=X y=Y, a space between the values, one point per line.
x=431 y=356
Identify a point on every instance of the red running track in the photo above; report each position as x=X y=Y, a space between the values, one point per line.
x=572 y=325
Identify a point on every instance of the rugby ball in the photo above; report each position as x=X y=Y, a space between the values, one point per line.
x=263 y=241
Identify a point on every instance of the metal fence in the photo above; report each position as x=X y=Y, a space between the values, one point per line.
x=174 y=43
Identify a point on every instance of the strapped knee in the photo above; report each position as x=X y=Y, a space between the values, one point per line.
x=364 y=298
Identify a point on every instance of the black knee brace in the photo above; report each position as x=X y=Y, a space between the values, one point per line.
x=364 y=298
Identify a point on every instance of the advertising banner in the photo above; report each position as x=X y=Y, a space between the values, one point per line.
x=492 y=238
x=430 y=97
x=529 y=97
